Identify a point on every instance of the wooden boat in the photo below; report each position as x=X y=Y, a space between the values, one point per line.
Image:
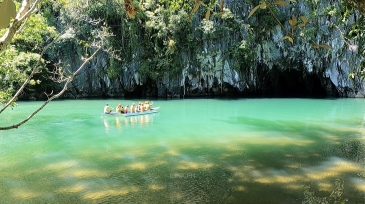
x=153 y=110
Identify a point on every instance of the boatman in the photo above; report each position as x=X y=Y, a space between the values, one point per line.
x=107 y=109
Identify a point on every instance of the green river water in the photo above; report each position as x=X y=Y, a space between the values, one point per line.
x=192 y=151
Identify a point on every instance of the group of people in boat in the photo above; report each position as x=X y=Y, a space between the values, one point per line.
x=140 y=107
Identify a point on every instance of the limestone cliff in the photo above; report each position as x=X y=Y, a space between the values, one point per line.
x=261 y=63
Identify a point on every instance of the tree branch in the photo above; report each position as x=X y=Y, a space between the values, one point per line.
x=276 y=18
x=22 y=15
x=69 y=79
x=35 y=69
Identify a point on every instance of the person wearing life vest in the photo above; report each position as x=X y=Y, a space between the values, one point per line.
x=107 y=109
x=119 y=108
x=147 y=106
x=126 y=109
x=133 y=108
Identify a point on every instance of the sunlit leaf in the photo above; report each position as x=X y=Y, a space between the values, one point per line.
x=314 y=45
x=131 y=10
x=325 y=46
x=281 y=3
x=294 y=1
x=171 y=43
x=132 y=13
x=290 y=39
x=301 y=25
x=293 y=21
x=253 y=11
x=207 y=15
x=32 y=82
x=221 y=7
x=304 y=19
x=263 y=6
x=7 y=12
x=196 y=6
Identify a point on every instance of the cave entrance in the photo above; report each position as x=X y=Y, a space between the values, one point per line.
x=292 y=83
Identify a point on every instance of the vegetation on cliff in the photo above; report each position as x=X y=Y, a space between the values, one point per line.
x=175 y=47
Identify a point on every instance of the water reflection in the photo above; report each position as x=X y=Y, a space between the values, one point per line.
x=251 y=161
x=119 y=122
x=106 y=125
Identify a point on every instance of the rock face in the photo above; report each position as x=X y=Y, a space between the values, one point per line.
x=275 y=68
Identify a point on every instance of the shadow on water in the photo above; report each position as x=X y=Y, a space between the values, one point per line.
x=246 y=169
x=339 y=140
x=186 y=174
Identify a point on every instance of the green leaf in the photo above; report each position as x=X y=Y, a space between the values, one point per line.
x=32 y=82
x=7 y=11
x=263 y=6
x=253 y=11
x=281 y=3
x=352 y=75
x=290 y=39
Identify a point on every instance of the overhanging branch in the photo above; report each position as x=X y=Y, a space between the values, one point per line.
x=24 y=12
x=69 y=79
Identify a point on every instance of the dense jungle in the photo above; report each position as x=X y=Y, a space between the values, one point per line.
x=179 y=48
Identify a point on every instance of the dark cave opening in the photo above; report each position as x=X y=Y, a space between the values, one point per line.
x=292 y=83
x=275 y=83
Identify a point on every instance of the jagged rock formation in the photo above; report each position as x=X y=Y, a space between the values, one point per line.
x=273 y=67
